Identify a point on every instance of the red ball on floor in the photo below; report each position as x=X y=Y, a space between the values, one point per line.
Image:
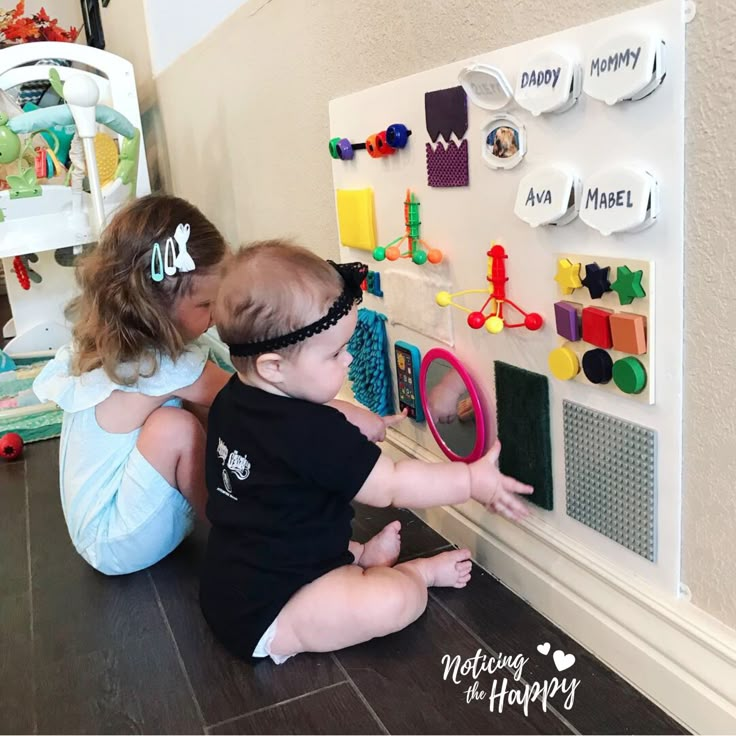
x=11 y=446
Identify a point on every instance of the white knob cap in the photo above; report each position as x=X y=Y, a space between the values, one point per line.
x=82 y=91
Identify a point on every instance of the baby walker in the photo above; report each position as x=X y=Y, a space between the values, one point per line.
x=37 y=219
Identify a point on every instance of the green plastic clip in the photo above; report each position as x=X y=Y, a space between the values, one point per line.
x=24 y=185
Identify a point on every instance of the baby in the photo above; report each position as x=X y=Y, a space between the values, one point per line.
x=281 y=575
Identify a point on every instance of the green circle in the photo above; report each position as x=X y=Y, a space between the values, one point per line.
x=379 y=253
x=419 y=257
x=9 y=145
x=629 y=375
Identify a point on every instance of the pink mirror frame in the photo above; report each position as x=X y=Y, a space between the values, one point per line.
x=480 y=437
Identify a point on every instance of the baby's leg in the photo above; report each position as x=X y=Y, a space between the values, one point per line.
x=350 y=605
x=173 y=441
x=381 y=550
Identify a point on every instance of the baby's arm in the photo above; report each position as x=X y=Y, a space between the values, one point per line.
x=416 y=484
x=371 y=425
x=206 y=387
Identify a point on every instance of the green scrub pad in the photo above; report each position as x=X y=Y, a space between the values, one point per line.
x=522 y=412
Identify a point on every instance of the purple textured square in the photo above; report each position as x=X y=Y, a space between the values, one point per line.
x=567 y=318
x=446 y=112
x=447 y=167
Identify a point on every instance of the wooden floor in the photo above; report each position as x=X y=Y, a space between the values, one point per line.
x=82 y=653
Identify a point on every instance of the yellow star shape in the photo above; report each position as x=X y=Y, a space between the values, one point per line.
x=568 y=276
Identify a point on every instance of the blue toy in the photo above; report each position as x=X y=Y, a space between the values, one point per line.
x=370 y=370
x=6 y=362
x=408 y=361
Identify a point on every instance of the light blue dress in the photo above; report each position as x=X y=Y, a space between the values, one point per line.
x=121 y=513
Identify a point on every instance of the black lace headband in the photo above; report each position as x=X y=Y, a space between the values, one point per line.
x=353 y=275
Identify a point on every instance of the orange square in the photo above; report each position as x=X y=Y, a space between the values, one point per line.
x=629 y=333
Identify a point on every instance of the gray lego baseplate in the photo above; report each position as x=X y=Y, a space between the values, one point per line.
x=610 y=475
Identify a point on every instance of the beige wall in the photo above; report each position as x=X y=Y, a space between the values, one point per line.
x=246 y=120
x=124 y=25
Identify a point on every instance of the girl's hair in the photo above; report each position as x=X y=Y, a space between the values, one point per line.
x=122 y=315
x=273 y=287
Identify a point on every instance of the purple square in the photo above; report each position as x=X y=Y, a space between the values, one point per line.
x=567 y=318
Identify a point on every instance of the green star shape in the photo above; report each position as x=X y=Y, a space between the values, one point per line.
x=628 y=285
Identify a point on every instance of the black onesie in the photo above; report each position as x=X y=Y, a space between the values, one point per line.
x=281 y=473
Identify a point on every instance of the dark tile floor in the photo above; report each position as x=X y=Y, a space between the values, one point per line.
x=82 y=653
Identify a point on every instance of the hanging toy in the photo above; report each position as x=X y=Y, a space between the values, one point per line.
x=495 y=321
x=21 y=273
x=392 y=251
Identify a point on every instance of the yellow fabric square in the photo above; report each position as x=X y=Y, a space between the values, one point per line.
x=356 y=218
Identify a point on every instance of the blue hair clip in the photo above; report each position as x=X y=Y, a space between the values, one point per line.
x=157 y=264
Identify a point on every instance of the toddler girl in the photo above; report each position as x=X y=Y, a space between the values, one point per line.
x=282 y=469
x=136 y=387
x=131 y=461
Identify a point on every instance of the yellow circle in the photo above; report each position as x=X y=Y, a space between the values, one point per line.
x=494 y=325
x=443 y=298
x=106 y=152
x=564 y=363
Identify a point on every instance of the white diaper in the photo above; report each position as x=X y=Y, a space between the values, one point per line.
x=263 y=648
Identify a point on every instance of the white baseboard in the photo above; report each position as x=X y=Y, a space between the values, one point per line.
x=678 y=656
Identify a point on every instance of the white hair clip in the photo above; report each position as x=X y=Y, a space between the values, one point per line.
x=171 y=261
x=170 y=257
x=183 y=261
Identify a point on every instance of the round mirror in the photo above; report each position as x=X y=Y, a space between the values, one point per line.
x=451 y=406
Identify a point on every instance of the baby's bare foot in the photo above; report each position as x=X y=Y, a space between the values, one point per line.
x=447 y=569
x=383 y=549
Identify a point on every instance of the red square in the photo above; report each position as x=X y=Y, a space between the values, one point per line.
x=597 y=327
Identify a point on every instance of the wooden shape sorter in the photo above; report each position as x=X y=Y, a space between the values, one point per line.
x=605 y=306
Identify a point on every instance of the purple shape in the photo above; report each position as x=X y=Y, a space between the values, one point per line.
x=567 y=319
x=447 y=167
x=446 y=111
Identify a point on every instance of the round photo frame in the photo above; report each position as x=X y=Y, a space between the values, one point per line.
x=503 y=142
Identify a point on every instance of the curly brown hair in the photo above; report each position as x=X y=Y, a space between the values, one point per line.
x=272 y=287
x=122 y=315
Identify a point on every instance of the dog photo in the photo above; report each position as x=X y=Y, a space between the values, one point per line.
x=504 y=142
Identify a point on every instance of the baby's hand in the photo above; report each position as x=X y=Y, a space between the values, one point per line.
x=442 y=404
x=393 y=419
x=465 y=412
x=497 y=491
x=374 y=426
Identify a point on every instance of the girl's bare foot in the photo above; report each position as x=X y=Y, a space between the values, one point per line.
x=383 y=549
x=445 y=570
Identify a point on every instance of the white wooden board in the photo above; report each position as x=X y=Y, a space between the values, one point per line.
x=465 y=221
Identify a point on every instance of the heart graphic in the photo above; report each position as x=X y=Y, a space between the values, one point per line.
x=543 y=648
x=562 y=660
